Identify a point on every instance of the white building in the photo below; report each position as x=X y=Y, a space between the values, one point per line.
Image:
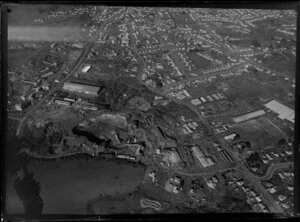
x=200 y=156
x=272 y=190
x=283 y=111
x=186 y=93
x=81 y=88
x=230 y=137
x=249 y=116
x=203 y=99
x=196 y=102
x=18 y=107
x=86 y=69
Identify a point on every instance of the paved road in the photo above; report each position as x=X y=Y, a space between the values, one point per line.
x=202 y=76
x=71 y=72
x=266 y=196
x=14 y=118
x=209 y=173
x=253 y=179
x=134 y=49
x=275 y=167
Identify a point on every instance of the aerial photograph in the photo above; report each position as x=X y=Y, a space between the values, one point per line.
x=149 y=110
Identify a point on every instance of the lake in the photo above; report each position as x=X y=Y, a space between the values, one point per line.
x=67 y=186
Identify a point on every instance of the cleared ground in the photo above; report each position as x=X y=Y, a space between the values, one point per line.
x=200 y=62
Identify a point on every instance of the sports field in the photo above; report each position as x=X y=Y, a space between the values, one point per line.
x=261 y=132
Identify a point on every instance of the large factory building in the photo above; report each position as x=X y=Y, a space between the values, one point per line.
x=81 y=88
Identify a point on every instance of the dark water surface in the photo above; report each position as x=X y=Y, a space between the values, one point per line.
x=66 y=185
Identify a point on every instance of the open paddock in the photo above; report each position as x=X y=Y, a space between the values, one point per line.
x=261 y=133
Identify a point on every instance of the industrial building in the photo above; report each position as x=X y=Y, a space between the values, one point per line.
x=18 y=107
x=122 y=156
x=77 y=45
x=186 y=129
x=62 y=102
x=186 y=93
x=86 y=69
x=283 y=111
x=203 y=99
x=249 y=116
x=29 y=82
x=225 y=156
x=81 y=88
x=174 y=185
x=46 y=75
x=230 y=137
x=22 y=106
x=215 y=96
x=196 y=102
x=205 y=162
x=209 y=98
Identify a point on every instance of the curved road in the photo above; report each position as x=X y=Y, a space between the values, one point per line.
x=273 y=168
x=266 y=196
x=72 y=71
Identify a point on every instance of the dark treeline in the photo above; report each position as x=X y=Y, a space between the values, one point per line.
x=90 y=136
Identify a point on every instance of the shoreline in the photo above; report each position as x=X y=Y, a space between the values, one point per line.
x=39 y=156
x=100 y=156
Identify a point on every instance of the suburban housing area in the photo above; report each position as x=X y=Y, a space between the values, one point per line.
x=150 y=110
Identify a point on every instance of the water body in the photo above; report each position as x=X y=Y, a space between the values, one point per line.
x=66 y=186
x=22 y=196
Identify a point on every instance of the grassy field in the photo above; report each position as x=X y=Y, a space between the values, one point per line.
x=281 y=64
x=260 y=132
x=281 y=90
x=68 y=186
x=17 y=57
x=241 y=87
x=183 y=19
x=199 y=61
x=203 y=90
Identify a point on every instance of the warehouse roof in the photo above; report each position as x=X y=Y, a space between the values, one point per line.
x=81 y=88
x=283 y=111
x=248 y=116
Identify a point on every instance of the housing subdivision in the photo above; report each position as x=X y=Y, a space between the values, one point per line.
x=148 y=110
